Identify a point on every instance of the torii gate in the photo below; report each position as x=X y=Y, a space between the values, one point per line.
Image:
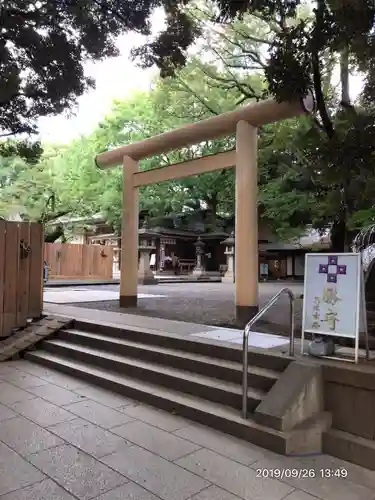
x=244 y=122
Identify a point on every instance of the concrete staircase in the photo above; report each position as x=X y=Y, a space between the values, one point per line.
x=190 y=377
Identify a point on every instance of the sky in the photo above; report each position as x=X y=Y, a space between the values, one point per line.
x=116 y=78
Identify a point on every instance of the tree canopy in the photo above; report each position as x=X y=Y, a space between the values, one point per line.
x=44 y=44
x=318 y=171
x=80 y=189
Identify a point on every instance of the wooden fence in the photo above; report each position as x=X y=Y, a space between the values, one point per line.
x=78 y=262
x=21 y=274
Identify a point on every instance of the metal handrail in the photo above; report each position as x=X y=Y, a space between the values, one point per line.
x=245 y=362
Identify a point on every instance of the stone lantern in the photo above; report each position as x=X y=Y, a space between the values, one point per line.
x=229 y=252
x=200 y=269
x=147 y=243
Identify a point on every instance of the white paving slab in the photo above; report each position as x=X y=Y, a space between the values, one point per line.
x=256 y=339
x=224 y=334
x=263 y=340
x=75 y=296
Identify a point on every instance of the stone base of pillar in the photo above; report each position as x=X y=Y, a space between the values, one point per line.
x=147 y=279
x=244 y=314
x=199 y=273
x=128 y=300
x=228 y=278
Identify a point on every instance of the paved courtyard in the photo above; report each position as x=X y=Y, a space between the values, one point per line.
x=62 y=439
x=204 y=303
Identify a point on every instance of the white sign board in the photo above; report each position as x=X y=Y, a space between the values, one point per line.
x=334 y=295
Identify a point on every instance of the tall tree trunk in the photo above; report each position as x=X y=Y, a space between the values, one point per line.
x=330 y=63
x=212 y=207
x=339 y=236
x=344 y=76
x=327 y=124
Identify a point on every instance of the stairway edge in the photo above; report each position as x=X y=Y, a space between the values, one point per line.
x=153 y=367
x=169 y=351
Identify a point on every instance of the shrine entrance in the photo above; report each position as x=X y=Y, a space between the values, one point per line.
x=244 y=122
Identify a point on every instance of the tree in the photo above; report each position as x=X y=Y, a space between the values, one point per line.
x=305 y=176
x=174 y=102
x=66 y=181
x=146 y=115
x=44 y=44
x=88 y=190
x=229 y=75
x=238 y=48
x=302 y=54
x=171 y=103
x=286 y=192
x=29 y=189
x=24 y=149
x=298 y=49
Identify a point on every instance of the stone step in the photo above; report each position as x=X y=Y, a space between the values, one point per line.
x=230 y=371
x=349 y=447
x=210 y=388
x=214 y=415
x=189 y=344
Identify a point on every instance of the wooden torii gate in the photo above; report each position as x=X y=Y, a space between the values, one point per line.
x=244 y=122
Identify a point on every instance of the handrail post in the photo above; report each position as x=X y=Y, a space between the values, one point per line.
x=244 y=373
x=245 y=343
x=292 y=326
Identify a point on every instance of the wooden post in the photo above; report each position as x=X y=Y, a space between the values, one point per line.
x=2 y=274
x=246 y=234
x=129 y=236
x=12 y=257
x=23 y=291
x=36 y=270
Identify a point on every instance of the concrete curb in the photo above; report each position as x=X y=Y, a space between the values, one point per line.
x=62 y=283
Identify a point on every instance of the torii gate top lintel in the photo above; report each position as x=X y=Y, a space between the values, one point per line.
x=258 y=114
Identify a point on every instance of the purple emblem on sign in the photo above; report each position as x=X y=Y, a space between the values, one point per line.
x=331 y=278
x=332 y=260
x=341 y=270
x=332 y=273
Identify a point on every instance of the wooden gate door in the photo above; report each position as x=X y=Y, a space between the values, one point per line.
x=21 y=274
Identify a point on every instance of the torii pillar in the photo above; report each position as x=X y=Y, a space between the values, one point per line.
x=246 y=249
x=129 y=236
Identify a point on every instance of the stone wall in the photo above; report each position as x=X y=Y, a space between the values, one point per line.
x=349 y=395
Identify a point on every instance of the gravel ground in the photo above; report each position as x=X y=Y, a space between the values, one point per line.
x=204 y=303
